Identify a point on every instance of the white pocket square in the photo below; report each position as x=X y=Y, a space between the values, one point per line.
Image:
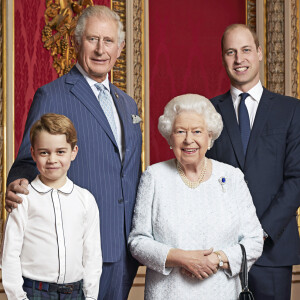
x=136 y=119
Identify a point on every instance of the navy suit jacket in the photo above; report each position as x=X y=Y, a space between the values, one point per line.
x=271 y=168
x=98 y=166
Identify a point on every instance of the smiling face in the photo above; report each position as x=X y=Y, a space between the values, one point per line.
x=190 y=138
x=99 y=47
x=53 y=156
x=241 y=58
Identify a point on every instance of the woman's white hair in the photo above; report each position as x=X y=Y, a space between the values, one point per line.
x=195 y=104
x=99 y=11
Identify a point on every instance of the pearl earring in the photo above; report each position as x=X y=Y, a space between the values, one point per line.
x=171 y=147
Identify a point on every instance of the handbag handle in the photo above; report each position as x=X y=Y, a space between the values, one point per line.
x=244 y=270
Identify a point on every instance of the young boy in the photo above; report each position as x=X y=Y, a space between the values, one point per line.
x=51 y=247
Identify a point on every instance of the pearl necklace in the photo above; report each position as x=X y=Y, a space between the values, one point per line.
x=189 y=183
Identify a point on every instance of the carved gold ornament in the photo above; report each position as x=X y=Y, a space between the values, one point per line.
x=61 y=19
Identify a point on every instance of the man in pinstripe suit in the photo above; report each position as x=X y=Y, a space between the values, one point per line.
x=109 y=163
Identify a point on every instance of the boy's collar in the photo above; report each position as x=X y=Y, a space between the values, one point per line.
x=40 y=187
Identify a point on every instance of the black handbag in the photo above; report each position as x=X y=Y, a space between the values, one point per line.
x=245 y=293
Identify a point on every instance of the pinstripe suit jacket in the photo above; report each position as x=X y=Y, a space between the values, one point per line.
x=98 y=166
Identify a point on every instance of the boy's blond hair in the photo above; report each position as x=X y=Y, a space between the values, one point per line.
x=54 y=124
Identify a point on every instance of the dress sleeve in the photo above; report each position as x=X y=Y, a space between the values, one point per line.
x=142 y=244
x=92 y=255
x=12 y=247
x=250 y=231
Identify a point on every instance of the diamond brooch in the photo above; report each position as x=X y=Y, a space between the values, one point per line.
x=222 y=181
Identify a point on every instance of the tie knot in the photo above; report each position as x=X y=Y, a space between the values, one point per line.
x=100 y=87
x=244 y=96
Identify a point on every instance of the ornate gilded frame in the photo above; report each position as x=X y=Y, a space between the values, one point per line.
x=3 y=121
x=251 y=14
x=295 y=44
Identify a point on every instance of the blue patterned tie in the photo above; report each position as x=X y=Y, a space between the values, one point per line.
x=104 y=99
x=244 y=122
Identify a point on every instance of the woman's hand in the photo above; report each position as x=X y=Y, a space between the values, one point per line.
x=195 y=262
x=213 y=257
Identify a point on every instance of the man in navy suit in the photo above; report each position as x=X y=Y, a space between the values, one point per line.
x=268 y=154
x=110 y=146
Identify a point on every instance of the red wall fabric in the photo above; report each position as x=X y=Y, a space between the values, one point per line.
x=33 y=63
x=185 y=55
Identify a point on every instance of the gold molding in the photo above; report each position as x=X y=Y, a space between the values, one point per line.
x=57 y=34
x=251 y=14
x=265 y=45
x=139 y=66
x=298 y=49
x=275 y=46
x=8 y=107
x=118 y=74
x=297 y=77
x=294 y=19
x=4 y=110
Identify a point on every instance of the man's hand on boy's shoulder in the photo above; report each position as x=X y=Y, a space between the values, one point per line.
x=11 y=199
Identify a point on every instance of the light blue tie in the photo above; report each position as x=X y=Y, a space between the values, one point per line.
x=244 y=122
x=104 y=99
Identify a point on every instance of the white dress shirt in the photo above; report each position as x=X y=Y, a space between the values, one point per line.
x=53 y=236
x=92 y=83
x=251 y=102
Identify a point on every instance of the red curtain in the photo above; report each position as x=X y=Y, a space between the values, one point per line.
x=33 y=63
x=185 y=55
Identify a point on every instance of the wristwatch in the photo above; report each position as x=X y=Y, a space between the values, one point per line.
x=221 y=263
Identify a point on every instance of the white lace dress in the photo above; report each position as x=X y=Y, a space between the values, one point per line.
x=168 y=214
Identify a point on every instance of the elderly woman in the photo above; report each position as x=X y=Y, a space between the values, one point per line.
x=191 y=212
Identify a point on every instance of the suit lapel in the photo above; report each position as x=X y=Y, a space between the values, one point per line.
x=230 y=122
x=83 y=92
x=261 y=117
x=123 y=115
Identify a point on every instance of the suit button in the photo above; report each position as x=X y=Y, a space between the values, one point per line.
x=120 y=201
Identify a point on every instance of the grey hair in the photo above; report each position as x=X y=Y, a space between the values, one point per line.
x=99 y=11
x=190 y=103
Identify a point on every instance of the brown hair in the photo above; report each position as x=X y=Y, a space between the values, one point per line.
x=54 y=124
x=234 y=26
